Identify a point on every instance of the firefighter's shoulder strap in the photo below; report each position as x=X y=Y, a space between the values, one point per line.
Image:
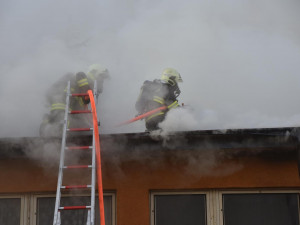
x=148 y=90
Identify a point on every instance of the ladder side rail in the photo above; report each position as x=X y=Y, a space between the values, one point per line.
x=58 y=219
x=62 y=156
x=93 y=182
x=88 y=221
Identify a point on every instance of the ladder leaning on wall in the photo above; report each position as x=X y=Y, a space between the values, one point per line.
x=96 y=159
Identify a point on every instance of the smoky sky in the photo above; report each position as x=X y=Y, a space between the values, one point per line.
x=239 y=60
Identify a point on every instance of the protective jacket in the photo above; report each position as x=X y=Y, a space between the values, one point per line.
x=154 y=94
x=56 y=95
x=56 y=101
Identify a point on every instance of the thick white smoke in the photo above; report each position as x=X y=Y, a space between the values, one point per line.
x=180 y=119
x=240 y=60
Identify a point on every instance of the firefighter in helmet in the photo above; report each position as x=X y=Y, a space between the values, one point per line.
x=98 y=73
x=158 y=93
x=56 y=98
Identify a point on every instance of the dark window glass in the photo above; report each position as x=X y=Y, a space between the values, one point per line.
x=261 y=209
x=181 y=209
x=10 y=210
x=45 y=210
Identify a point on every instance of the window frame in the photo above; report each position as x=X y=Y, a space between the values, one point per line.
x=208 y=201
x=33 y=204
x=251 y=191
x=23 y=206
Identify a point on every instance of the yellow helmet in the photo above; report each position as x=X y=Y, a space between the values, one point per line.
x=171 y=76
x=97 y=71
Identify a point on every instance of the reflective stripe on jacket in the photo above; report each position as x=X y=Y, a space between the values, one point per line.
x=82 y=82
x=154 y=115
x=58 y=106
x=173 y=105
x=159 y=100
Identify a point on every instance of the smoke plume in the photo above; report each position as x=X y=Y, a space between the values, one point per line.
x=239 y=60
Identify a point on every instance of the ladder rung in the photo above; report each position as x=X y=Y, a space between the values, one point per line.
x=79 y=111
x=77 y=166
x=74 y=207
x=79 y=129
x=78 y=147
x=76 y=186
x=79 y=94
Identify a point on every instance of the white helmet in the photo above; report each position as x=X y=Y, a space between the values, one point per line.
x=97 y=71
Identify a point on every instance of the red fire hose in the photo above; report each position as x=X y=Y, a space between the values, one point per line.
x=143 y=115
x=98 y=158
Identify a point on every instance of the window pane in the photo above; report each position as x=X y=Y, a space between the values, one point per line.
x=182 y=209
x=45 y=210
x=10 y=210
x=261 y=209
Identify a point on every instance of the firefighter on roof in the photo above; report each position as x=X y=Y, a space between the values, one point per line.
x=56 y=98
x=158 y=93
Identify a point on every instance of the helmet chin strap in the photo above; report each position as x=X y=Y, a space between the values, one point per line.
x=172 y=81
x=177 y=92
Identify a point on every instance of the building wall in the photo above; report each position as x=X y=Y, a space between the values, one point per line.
x=133 y=176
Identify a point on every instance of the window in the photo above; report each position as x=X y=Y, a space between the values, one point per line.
x=258 y=208
x=178 y=209
x=45 y=210
x=11 y=210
